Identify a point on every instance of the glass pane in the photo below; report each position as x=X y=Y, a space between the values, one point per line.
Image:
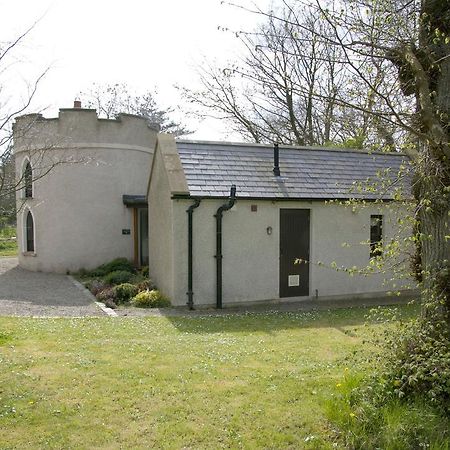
x=143 y=236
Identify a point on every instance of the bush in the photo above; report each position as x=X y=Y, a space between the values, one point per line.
x=150 y=299
x=110 y=303
x=146 y=285
x=118 y=277
x=108 y=297
x=368 y=419
x=96 y=286
x=125 y=292
x=144 y=271
x=116 y=264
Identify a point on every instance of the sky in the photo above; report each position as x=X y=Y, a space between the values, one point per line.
x=145 y=43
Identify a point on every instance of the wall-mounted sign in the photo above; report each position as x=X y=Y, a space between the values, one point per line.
x=293 y=280
x=126 y=231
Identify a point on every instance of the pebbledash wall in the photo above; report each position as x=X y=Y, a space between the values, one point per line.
x=338 y=233
x=77 y=206
x=251 y=255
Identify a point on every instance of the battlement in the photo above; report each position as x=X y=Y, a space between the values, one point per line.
x=82 y=128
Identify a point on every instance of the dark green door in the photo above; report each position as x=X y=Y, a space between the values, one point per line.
x=294 y=244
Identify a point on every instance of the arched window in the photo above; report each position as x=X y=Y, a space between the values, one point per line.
x=29 y=233
x=28 y=179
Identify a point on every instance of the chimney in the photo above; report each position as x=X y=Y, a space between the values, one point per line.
x=77 y=104
x=276 y=160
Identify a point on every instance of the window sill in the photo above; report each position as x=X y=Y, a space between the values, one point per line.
x=29 y=253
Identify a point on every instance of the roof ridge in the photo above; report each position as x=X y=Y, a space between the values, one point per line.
x=290 y=147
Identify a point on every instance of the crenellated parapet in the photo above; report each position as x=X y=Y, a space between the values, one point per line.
x=82 y=128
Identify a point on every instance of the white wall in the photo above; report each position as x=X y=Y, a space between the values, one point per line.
x=160 y=231
x=78 y=209
x=251 y=256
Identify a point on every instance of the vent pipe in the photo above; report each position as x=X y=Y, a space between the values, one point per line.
x=276 y=160
x=219 y=255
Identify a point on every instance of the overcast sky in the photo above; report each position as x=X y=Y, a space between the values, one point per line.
x=144 y=43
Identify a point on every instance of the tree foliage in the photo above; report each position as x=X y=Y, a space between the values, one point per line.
x=112 y=99
x=295 y=86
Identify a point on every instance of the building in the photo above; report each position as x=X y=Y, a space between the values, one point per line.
x=286 y=233
x=83 y=197
x=227 y=223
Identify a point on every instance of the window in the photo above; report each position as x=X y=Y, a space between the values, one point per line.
x=29 y=233
x=376 y=235
x=28 y=178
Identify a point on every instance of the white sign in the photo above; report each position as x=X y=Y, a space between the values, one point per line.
x=293 y=280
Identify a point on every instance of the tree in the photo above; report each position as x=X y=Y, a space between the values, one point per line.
x=411 y=39
x=290 y=84
x=10 y=108
x=112 y=99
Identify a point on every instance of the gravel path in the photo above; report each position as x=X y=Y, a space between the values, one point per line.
x=25 y=293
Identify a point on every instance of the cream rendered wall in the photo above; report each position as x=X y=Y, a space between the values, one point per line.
x=251 y=256
x=160 y=232
x=78 y=209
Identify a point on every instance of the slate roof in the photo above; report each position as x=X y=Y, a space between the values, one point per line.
x=306 y=172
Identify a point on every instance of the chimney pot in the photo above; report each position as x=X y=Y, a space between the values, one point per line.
x=77 y=104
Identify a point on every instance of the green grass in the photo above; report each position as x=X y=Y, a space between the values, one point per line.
x=396 y=424
x=235 y=381
x=8 y=247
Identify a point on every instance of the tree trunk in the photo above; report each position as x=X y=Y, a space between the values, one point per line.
x=434 y=215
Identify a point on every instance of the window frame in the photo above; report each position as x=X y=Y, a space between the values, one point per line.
x=25 y=239
x=27 y=177
x=376 y=236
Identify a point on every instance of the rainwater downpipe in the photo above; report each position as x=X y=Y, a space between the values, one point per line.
x=219 y=256
x=190 y=212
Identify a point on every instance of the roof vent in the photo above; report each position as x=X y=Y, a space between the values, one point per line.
x=77 y=104
x=276 y=160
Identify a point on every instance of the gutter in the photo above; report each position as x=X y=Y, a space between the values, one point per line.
x=219 y=214
x=190 y=212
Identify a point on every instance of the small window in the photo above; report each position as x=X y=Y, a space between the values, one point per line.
x=28 y=179
x=29 y=233
x=376 y=235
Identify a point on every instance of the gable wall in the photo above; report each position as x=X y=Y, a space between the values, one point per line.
x=160 y=221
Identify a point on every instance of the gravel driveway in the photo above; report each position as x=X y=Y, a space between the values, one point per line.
x=25 y=293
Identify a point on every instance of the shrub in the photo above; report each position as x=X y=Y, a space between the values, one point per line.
x=110 y=303
x=96 y=286
x=137 y=279
x=144 y=271
x=124 y=292
x=116 y=264
x=146 y=285
x=150 y=299
x=368 y=419
x=117 y=277
x=108 y=297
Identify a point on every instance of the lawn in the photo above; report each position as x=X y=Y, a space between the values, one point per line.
x=8 y=246
x=234 y=381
